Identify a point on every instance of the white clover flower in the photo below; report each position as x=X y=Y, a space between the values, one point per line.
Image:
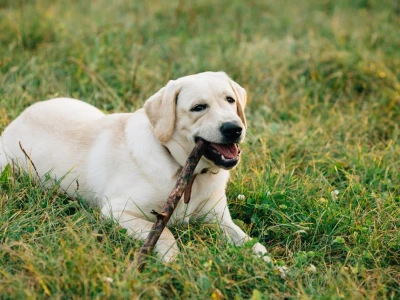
x=241 y=197
x=312 y=269
x=108 y=279
x=282 y=271
x=334 y=194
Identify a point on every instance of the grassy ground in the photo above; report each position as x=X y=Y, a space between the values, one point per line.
x=324 y=113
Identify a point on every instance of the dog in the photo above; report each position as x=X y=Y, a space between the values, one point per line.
x=127 y=163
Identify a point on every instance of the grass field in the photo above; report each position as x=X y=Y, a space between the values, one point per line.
x=321 y=165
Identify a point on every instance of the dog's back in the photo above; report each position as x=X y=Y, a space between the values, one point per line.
x=41 y=133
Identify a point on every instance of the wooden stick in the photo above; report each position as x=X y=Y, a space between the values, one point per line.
x=176 y=194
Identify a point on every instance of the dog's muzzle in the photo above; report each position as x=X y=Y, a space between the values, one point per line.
x=225 y=156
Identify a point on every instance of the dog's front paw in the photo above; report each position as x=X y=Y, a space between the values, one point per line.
x=261 y=251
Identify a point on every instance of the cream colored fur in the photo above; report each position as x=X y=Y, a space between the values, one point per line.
x=127 y=164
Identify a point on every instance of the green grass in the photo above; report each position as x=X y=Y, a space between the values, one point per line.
x=324 y=112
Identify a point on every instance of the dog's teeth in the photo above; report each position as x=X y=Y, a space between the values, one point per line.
x=223 y=157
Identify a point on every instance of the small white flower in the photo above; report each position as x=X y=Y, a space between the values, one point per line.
x=108 y=279
x=334 y=194
x=282 y=271
x=312 y=269
x=241 y=197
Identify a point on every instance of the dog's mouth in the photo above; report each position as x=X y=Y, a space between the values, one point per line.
x=222 y=155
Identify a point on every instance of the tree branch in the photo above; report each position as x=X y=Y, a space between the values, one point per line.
x=176 y=194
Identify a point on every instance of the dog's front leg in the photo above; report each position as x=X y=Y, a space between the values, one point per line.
x=220 y=214
x=238 y=236
x=139 y=228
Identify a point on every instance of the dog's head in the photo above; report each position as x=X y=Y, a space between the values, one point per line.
x=208 y=105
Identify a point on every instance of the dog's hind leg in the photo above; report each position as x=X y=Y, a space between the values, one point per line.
x=3 y=157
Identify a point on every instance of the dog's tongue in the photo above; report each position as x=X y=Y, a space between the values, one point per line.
x=227 y=150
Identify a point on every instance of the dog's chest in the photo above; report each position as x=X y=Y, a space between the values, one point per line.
x=145 y=196
x=202 y=192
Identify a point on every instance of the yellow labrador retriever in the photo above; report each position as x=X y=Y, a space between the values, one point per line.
x=128 y=163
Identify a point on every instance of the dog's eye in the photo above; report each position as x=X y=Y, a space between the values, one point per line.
x=199 y=107
x=230 y=99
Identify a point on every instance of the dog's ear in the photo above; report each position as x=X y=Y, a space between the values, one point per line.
x=160 y=109
x=241 y=97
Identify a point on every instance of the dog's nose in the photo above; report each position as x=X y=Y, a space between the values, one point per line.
x=231 y=131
